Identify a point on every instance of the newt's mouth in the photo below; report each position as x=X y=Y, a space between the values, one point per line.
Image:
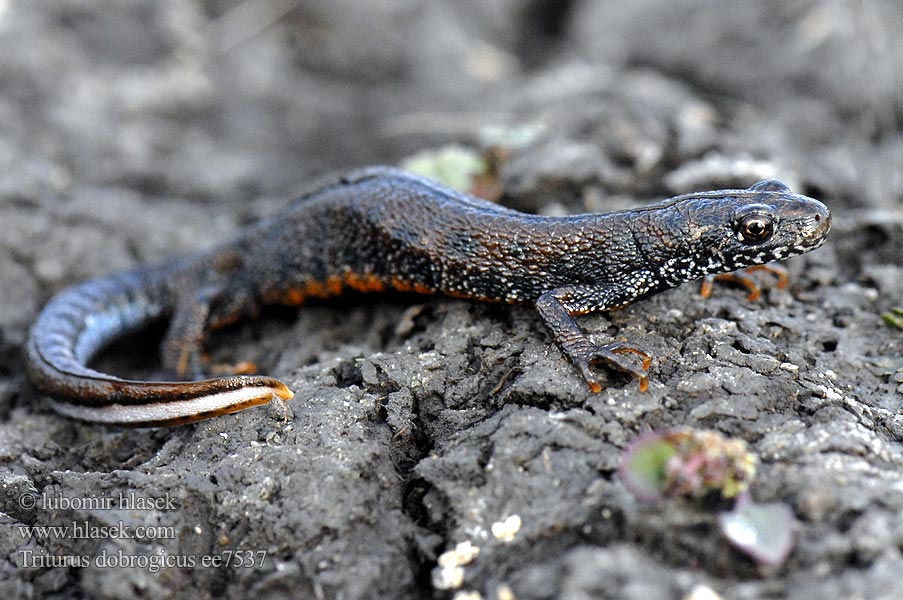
x=818 y=226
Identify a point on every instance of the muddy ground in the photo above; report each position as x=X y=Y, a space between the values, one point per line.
x=134 y=130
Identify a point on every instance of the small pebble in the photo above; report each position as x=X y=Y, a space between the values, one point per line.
x=507 y=530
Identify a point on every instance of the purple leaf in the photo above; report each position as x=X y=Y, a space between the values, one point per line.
x=766 y=532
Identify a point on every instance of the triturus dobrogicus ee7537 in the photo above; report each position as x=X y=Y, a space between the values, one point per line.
x=385 y=229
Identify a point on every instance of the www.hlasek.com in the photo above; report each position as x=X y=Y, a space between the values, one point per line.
x=85 y=530
x=153 y=562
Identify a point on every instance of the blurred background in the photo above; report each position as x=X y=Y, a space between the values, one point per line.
x=231 y=100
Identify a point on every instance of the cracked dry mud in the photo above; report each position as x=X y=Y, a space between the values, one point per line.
x=136 y=130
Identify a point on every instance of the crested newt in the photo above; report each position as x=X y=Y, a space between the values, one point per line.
x=384 y=229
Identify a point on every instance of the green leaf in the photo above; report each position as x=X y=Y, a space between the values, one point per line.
x=894 y=317
x=453 y=165
x=644 y=466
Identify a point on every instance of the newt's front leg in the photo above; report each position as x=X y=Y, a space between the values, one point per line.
x=743 y=277
x=556 y=308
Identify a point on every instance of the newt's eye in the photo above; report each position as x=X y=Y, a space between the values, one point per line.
x=754 y=228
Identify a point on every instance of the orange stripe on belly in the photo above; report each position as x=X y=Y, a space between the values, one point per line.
x=408 y=286
x=366 y=283
x=336 y=284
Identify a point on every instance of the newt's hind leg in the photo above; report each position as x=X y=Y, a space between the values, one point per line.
x=556 y=308
x=182 y=349
x=184 y=341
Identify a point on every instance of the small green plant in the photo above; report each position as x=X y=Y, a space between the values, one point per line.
x=695 y=464
x=687 y=462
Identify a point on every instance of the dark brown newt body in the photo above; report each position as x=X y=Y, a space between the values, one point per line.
x=380 y=229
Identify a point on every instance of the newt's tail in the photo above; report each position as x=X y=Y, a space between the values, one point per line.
x=83 y=319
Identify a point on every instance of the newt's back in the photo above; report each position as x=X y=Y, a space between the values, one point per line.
x=387 y=229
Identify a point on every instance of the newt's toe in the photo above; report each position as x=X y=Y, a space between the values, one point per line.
x=613 y=354
x=753 y=286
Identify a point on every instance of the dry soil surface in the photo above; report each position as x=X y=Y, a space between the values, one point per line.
x=134 y=130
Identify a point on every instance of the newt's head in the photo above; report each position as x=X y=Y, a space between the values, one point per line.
x=721 y=231
x=768 y=222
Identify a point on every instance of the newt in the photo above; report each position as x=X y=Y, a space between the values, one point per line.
x=381 y=229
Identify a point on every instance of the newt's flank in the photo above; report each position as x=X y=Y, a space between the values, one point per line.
x=384 y=229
